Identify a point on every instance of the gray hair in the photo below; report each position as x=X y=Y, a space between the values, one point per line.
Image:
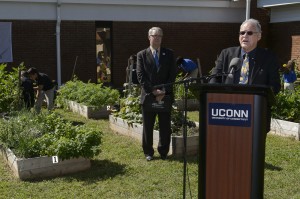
x=158 y=29
x=254 y=22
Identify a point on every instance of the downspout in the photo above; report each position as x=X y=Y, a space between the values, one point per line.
x=248 y=6
x=58 y=54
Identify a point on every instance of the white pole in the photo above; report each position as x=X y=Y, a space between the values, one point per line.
x=248 y=6
x=58 y=54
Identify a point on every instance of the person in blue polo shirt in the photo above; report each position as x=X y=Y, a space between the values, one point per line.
x=289 y=76
x=187 y=66
x=45 y=88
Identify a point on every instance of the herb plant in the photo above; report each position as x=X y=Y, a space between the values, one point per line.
x=47 y=134
x=287 y=106
x=89 y=94
x=179 y=90
x=130 y=109
x=9 y=89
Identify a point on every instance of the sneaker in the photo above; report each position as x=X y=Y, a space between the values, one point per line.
x=149 y=158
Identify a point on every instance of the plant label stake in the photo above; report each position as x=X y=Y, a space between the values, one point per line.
x=54 y=159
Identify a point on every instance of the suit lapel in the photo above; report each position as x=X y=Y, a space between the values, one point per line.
x=162 y=58
x=235 y=53
x=257 y=64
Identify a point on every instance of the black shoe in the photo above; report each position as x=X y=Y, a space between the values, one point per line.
x=149 y=158
x=163 y=157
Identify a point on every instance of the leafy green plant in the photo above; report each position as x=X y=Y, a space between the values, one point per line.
x=179 y=90
x=48 y=134
x=178 y=121
x=130 y=110
x=123 y=167
x=89 y=94
x=287 y=106
x=10 y=89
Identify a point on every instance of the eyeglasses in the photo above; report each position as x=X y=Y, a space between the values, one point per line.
x=156 y=36
x=248 y=32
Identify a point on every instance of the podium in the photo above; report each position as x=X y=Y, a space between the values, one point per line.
x=234 y=120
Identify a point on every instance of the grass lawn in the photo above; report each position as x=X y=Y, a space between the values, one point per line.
x=121 y=171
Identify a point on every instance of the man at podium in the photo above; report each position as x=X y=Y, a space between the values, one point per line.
x=248 y=64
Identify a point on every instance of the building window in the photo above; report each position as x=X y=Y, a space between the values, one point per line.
x=103 y=55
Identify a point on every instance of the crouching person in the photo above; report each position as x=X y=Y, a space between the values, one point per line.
x=45 y=88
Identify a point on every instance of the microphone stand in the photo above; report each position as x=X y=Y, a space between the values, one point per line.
x=186 y=84
x=184 y=134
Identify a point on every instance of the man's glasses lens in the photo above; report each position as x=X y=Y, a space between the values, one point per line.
x=248 y=32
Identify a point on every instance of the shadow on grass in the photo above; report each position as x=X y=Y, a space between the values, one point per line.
x=194 y=160
x=189 y=159
x=272 y=167
x=100 y=170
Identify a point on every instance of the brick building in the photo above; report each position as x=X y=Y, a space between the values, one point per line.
x=194 y=29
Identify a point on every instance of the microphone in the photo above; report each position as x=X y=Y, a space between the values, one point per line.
x=235 y=62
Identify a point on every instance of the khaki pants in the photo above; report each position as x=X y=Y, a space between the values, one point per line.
x=49 y=95
x=289 y=87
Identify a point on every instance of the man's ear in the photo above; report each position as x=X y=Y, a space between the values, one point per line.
x=259 y=36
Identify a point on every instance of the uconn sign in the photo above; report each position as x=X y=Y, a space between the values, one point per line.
x=227 y=114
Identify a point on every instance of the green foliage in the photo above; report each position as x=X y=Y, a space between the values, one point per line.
x=178 y=121
x=130 y=109
x=179 y=90
x=89 y=94
x=9 y=88
x=47 y=134
x=287 y=106
x=122 y=166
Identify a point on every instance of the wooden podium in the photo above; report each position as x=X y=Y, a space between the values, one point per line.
x=233 y=127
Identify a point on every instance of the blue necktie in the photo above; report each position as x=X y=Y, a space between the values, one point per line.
x=156 y=58
x=245 y=70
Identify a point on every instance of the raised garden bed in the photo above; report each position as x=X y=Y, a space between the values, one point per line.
x=285 y=128
x=192 y=105
x=89 y=112
x=135 y=130
x=41 y=167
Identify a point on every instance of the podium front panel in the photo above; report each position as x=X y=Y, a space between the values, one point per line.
x=229 y=145
x=233 y=123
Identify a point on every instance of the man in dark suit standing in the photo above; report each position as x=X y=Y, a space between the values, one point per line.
x=257 y=66
x=156 y=66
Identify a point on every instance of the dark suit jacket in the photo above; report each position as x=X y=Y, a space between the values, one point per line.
x=149 y=76
x=263 y=71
